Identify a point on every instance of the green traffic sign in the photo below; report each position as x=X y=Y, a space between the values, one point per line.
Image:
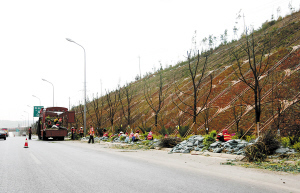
x=36 y=110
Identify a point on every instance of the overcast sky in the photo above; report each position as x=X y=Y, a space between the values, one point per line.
x=114 y=33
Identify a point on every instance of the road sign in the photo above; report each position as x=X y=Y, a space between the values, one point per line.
x=36 y=110
x=17 y=130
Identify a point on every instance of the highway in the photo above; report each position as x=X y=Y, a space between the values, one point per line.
x=66 y=166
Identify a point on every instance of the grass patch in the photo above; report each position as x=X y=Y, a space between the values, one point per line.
x=290 y=164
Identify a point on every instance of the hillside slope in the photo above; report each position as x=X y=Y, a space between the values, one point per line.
x=224 y=101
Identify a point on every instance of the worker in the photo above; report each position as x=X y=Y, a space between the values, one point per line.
x=105 y=133
x=81 y=132
x=49 y=124
x=92 y=133
x=150 y=136
x=131 y=135
x=29 y=133
x=136 y=136
x=226 y=135
x=220 y=137
x=73 y=133
x=126 y=138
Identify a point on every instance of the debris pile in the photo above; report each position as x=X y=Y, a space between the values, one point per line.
x=234 y=146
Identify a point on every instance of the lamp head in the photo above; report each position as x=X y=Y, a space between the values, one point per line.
x=69 y=40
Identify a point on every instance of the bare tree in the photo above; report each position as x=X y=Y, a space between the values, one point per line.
x=88 y=111
x=201 y=84
x=128 y=92
x=255 y=51
x=155 y=99
x=205 y=115
x=98 y=105
x=238 y=109
x=143 y=120
x=113 y=104
x=177 y=119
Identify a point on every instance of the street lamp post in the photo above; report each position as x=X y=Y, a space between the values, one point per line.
x=84 y=87
x=53 y=89
x=37 y=98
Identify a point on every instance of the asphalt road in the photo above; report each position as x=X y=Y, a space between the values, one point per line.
x=63 y=166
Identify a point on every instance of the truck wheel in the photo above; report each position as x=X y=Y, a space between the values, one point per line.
x=4 y=138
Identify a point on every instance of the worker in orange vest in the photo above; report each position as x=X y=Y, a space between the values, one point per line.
x=29 y=133
x=105 y=133
x=150 y=136
x=226 y=135
x=92 y=133
x=73 y=133
x=81 y=132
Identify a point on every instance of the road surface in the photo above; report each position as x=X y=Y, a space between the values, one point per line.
x=67 y=166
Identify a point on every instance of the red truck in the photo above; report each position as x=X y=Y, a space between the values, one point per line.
x=52 y=121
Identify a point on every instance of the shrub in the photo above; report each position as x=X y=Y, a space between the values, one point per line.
x=296 y=146
x=289 y=141
x=265 y=145
x=270 y=139
x=285 y=141
x=122 y=138
x=209 y=139
x=256 y=152
x=250 y=137
x=235 y=137
x=169 y=142
x=293 y=140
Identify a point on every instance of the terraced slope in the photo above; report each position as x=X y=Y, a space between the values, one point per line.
x=231 y=103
